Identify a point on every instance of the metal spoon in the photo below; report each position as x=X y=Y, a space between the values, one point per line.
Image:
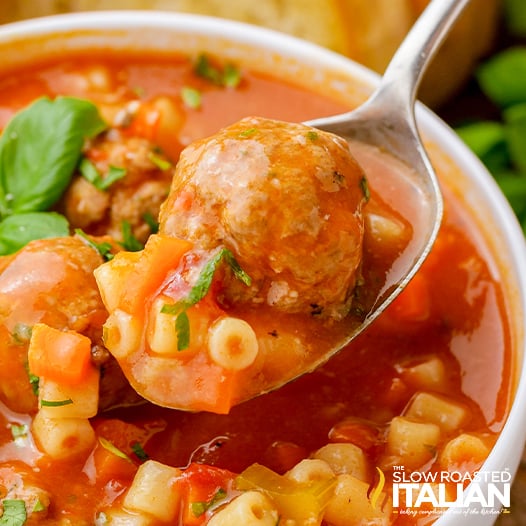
x=387 y=120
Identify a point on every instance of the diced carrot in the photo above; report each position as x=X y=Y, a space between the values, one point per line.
x=203 y=486
x=414 y=302
x=160 y=255
x=61 y=356
x=110 y=465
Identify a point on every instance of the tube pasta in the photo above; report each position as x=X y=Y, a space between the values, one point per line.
x=344 y=458
x=122 y=333
x=232 y=343
x=63 y=437
x=162 y=336
x=122 y=518
x=82 y=399
x=428 y=407
x=310 y=470
x=351 y=505
x=251 y=508
x=152 y=491
x=464 y=450
x=412 y=443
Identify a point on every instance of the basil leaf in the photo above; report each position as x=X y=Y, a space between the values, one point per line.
x=14 y=512
x=487 y=139
x=515 y=120
x=19 y=229
x=503 y=77
x=40 y=149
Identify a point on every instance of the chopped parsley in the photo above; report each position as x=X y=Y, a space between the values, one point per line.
x=139 y=451
x=312 y=135
x=192 y=97
x=18 y=431
x=104 y=248
x=129 y=241
x=229 y=76
x=151 y=222
x=199 y=291
x=108 y=446
x=91 y=174
x=56 y=403
x=365 y=188
x=201 y=507
x=248 y=132
x=14 y=513
x=162 y=164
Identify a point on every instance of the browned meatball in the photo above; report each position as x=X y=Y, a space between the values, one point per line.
x=51 y=281
x=138 y=194
x=286 y=199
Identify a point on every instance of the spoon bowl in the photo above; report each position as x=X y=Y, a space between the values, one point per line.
x=386 y=121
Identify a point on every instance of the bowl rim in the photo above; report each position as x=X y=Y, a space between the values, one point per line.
x=505 y=454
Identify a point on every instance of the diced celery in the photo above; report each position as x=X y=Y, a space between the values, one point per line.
x=301 y=502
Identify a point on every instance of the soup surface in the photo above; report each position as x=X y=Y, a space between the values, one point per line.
x=425 y=390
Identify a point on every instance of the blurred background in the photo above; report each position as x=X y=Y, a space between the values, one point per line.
x=477 y=82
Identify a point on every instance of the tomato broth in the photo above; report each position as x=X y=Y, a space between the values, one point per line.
x=443 y=346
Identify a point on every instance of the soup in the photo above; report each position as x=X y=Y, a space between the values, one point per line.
x=426 y=389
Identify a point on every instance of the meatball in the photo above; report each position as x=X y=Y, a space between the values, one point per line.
x=286 y=200
x=130 y=199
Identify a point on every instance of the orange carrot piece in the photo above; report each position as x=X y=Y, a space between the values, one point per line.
x=60 y=356
x=414 y=303
x=160 y=255
x=112 y=465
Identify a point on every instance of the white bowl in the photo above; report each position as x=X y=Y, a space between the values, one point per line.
x=305 y=63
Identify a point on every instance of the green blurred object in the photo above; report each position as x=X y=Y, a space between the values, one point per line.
x=503 y=77
x=515 y=16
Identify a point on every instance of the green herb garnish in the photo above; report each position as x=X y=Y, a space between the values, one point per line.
x=109 y=446
x=200 y=507
x=39 y=150
x=55 y=403
x=192 y=97
x=14 y=513
x=229 y=76
x=129 y=241
x=151 y=222
x=364 y=185
x=18 y=430
x=139 y=451
x=90 y=173
x=312 y=135
x=162 y=164
x=199 y=291
x=104 y=248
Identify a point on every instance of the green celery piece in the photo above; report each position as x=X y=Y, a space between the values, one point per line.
x=19 y=229
x=295 y=501
x=515 y=129
x=487 y=139
x=503 y=77
x=515 y=16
